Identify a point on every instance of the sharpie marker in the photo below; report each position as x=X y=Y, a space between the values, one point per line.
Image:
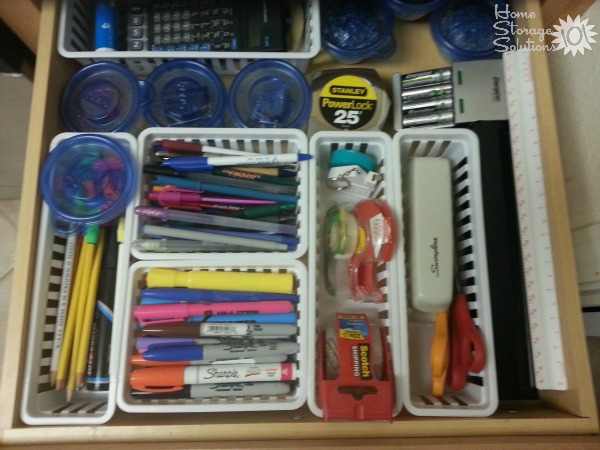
x=193 y=330
x=142 y=343
x=175 y=295
x=218 y=390
x=185 y=310
x=193 y=352
x=139 y=360
x=171 y=377
x=192 y=164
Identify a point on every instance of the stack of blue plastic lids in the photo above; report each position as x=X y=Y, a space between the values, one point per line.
x=185 y=94
x=270 y=93
x=355 y=30
x=464 y=29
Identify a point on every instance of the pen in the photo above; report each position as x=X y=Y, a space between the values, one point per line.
x=224 y=329
x=146 y=313
x=207 y=219
x=182 y=245
x=194 y=352
x=269 y=282
x=290 y=241
x=177 y=196
x=289 y=318
x=194 y=147
x=253 y=212
x=174 y=295
x=202 y=163
x=277 y=171
x=154 y=230
x=230 y=172
x=143 y=342
x=138 y=360
x=195 y=185
x=218 y=390
x=245 y=183
x=169 y=378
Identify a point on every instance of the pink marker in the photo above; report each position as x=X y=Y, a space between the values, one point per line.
x=176 y=196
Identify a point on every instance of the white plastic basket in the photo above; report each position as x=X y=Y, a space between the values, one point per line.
x=390 y=278
x=261 y=141
x=295 y=399
x=480 y=397
x=76 y=34
x=42 y=404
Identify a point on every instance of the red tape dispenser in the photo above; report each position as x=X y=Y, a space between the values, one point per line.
x=376 y=239
x=355 y=372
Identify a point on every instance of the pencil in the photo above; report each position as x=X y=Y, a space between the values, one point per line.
x=67 y=342
x=88 y=315
x=63 y=305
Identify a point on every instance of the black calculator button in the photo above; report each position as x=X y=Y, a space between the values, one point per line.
x=136 y=45
x=136 y=21
x=137 y=33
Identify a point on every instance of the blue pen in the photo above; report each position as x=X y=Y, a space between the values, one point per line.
x=288 y=240
x=193 y=164
x=283 y=318
x=195 y=352
x=176 y=295
x=194 y=185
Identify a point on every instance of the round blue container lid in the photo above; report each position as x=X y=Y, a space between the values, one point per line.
x=86 y=180
x=464 y=29
x=354 y=30
x=415 y=7
x=101 y=97
x=186 y=94
x=270 y=94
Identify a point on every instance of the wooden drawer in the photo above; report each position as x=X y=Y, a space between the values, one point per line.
x=569 y=413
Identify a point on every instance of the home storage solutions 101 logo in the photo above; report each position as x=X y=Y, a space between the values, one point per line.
x=572 y=36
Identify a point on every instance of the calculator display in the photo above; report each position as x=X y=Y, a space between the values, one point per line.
x=204 y=25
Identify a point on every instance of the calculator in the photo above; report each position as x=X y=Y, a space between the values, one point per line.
x=203 y=25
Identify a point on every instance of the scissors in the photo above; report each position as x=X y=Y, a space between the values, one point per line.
x=467 y=350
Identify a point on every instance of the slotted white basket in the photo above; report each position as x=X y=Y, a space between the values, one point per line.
x=480 y=397
x=76 y=35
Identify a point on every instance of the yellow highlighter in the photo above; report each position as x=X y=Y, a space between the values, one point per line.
x=270 y=282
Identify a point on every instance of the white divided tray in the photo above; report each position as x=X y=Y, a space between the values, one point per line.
x=76 y=40
x=295 y=399
x=41 y=403
x=254 y=141
x=479 y=398
x=390 y=276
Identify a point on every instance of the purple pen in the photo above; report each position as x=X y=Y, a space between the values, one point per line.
x=174 y=196
x=210 y=295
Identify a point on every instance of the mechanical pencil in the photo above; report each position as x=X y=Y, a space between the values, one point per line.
x=218 y=390
x=168 y=378
x=138 y=360
x=143 y=342
x=195 y=352
x=225 y=329
x=208 y=219
x=194 y=185
x=182 y=245
x=174 y=295
x=204 y=236
x=192 y=164
x=145 y=313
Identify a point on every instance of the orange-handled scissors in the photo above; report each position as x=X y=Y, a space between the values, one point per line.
x=467 y=350
x=439 y=356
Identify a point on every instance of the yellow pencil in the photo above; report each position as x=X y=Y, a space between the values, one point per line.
x=67 y=343
x=88 y=316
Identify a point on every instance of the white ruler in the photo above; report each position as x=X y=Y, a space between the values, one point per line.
x=544 y=321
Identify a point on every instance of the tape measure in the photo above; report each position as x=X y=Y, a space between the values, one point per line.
x=536 y=247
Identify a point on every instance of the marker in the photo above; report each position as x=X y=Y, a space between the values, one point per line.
x=195 y=147
x=218 y=390
x=175 y=295
x=175 y=197
x=225 y=329
x=194 y=352
x=143 y=342
x=138 y=360
x=164 y=379
x=182 y=245
x=207 y=219
x=145 y=313
x=289 y=318
x=153 y=230
x=195 y=185
x=269 y=282
x=192 y=164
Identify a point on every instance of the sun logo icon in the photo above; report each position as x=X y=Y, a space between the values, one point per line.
x=573 y=36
